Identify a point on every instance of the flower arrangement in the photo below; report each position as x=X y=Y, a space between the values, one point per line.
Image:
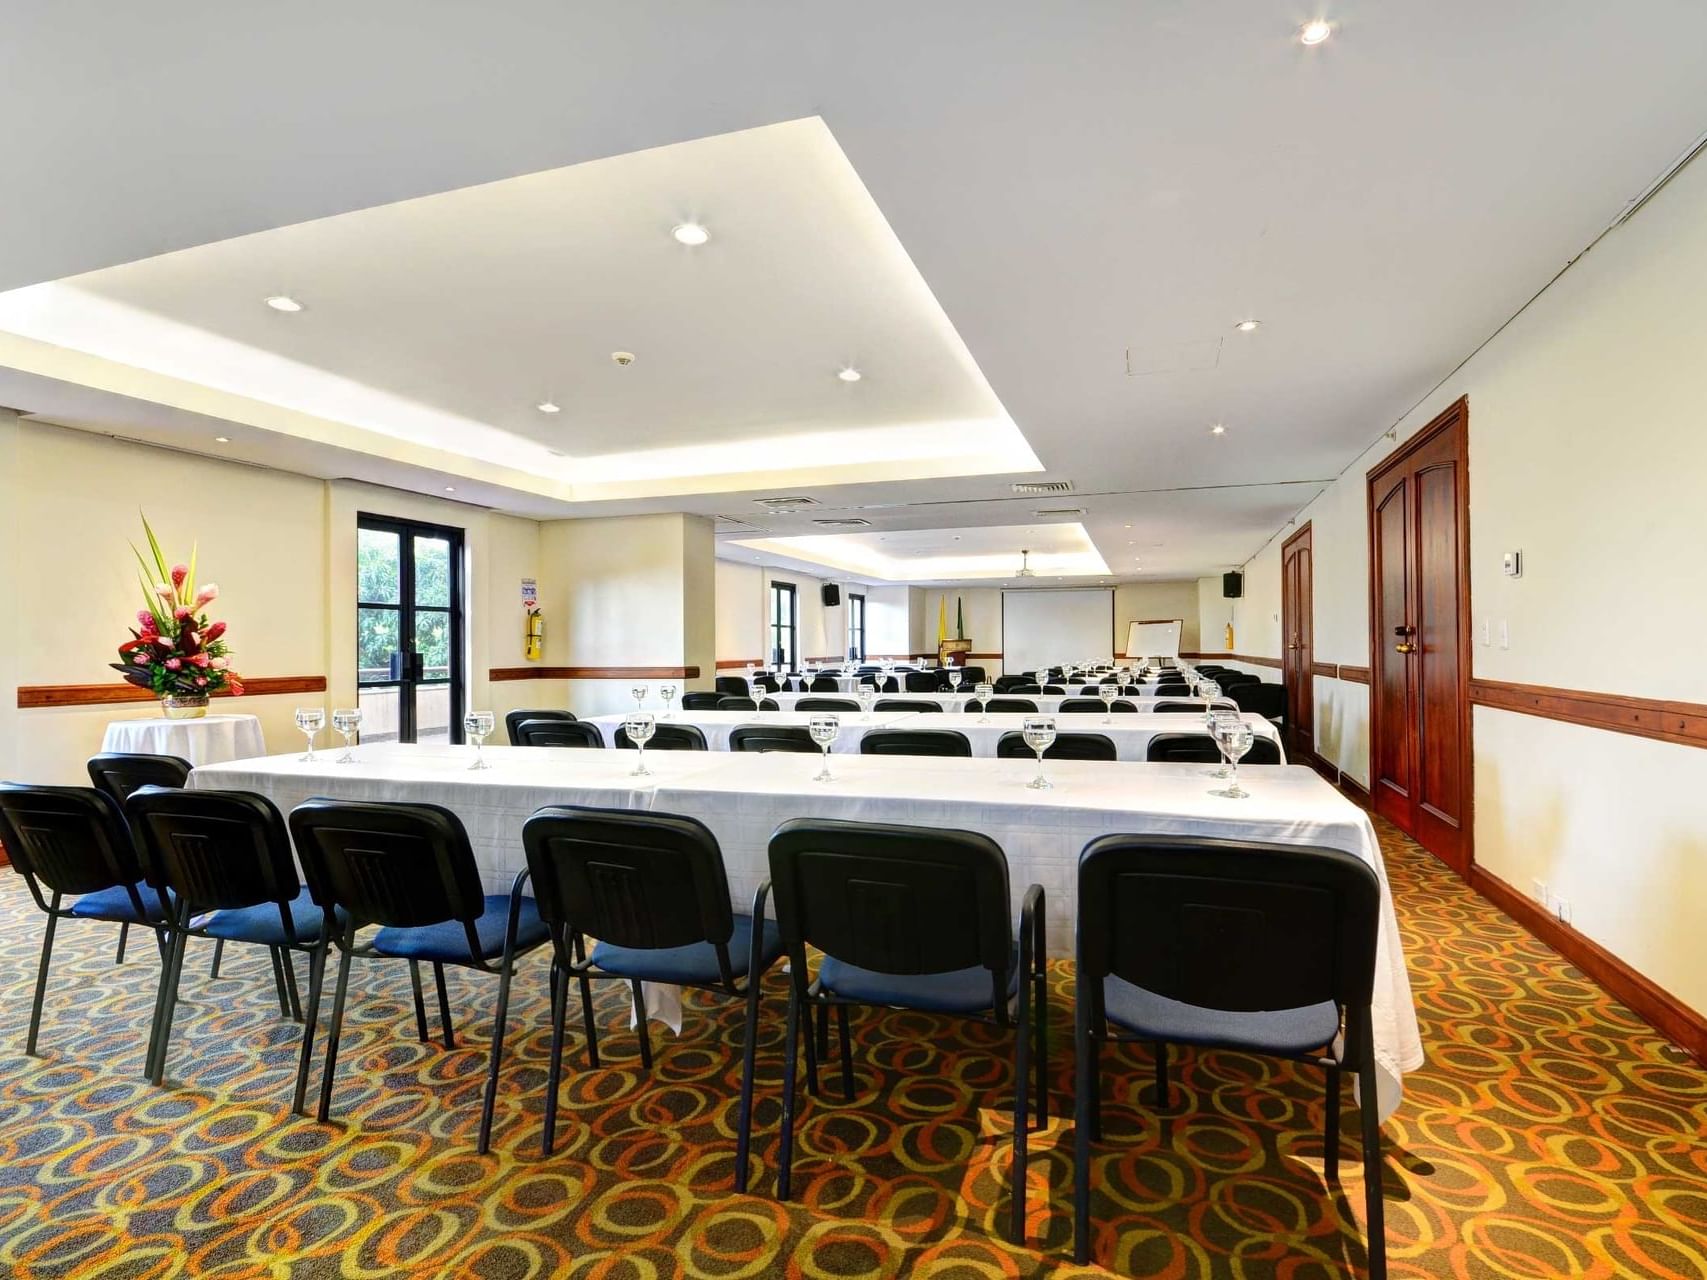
x=174 y=651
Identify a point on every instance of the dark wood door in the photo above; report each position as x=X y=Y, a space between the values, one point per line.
x=1297 y=653
x=1419 y=539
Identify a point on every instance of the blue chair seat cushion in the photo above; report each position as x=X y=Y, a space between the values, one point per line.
x=263 y=923
x=447 y=942
x=694 y=964
x=1156 y=1017
x=958 y=991
x=115 y=904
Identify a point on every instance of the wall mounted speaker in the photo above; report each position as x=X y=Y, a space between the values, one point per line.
x=831 y=594
x=1232 y=585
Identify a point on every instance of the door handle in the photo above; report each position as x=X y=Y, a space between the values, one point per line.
x=1404 y=648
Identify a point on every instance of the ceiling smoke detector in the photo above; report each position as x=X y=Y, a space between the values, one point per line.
x=1025 y=569
x=1033 y=487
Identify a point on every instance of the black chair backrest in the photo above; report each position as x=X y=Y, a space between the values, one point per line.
x=218 y=850
x=893 y=899
x=772 y=737
x=1165 y=707
x=1232 y=679
x=770 y=684
x=71 y=839
x=1070 y=705
x=769 y=704
x=880 y=685
x=915 y=742
x=514 y=720
x=906 y=704
x=1200 y=748
x=1057 y=690
x=826 y=704
x=705 y=701
x=1003 y=683
x=1005 y=704
x=731 y=686
x=558 y=733
x=398 y=865
x=970 y=676
x=1067 y=746
x=1230 y=925
x=825 y=684
x=667 y=737
x=119 y=773
x=737 y=704
x=923 y=682
x=1023 y=688
x=645 y=880
x=1264 y=699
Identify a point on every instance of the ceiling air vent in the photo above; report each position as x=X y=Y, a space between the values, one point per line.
x=1045 y=512
x=1033 y=487
x=851 y=522
x=735 y=525
x=785 y=504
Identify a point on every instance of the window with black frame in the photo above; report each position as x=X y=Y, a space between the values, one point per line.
x=784 y=619
x=409 y=661
x=856 y=627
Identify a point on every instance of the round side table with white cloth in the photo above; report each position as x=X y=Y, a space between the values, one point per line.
x=210 y=740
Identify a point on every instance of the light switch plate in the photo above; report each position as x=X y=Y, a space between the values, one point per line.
x=1512 y=564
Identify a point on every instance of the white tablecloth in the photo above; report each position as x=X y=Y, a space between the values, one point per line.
x=1047 y=703
x=210 y=740
x=718 y=725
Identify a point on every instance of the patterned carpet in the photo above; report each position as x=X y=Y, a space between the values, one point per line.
x=1550 y=1134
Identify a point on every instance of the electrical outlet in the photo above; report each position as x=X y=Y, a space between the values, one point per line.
x=1485 y=630
x=1562 y=909
x=1505 y=635
x=1540 y=887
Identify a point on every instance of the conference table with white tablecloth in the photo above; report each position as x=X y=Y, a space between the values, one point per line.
x=1047 y=703
x=718 y=725
x=206 y=740
x=742 y=797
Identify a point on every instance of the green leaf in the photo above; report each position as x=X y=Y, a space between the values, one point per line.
x=159 y=556
x=190 y=582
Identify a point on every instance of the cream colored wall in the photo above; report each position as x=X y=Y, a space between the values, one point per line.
x=1150 y=601
x=740 y=612
x=983 y=613
x=888 y=625
x=1586 y=453
x=11 y=570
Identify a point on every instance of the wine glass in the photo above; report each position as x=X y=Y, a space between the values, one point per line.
x=638 y=693
x=639 y=727
x=1067 y=676
x=1235 y=737
x=867 y=699
x=1108 y=693
x=476 y=725
x=668 y=693
x=346 y=720
x=823 y=729
x=982 y=692
x=1039 y=734
x=311 y=720
x=1215 y=717
x=954 y=679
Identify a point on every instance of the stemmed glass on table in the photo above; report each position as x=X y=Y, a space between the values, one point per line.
x=668 y=693
x=638 y=693
x=311 y=720
x=346 y=720
x=1235 y=738
x=823 y=729
x=867 y=696
x=982 y=692
x=954 y=679
x=1039 y=734
x=640 y=727
x=1108 y=693
x=476 y=725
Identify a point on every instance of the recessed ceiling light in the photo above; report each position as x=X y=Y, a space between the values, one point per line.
x=691 y=233
x=548 y=406
x=222 y=439
x=1315 y=32
x=1247 y=326
x=1218 y=430
x=624 y=358
x=450 y=488
x=850 y=374
x=283 y=302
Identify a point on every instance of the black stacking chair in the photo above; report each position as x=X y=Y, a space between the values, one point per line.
x=923 y=682
x=666 y=737
x=767 y=737
x=558 y=733
x=706 y=701
x=769 y=704
x=1001 y=684
x=826 y=704
x=1233 y=679
x=225 y=852
x=1024 y=688
x=909 y=918
x=770 y=684
x=970 y=676
x=73 y=842
x=119 y=773
x=1200 y=748
x=737 y=704
x=514 y=720
x=1071 y=706
x=1067 y=746
x=1266 y=700
x=1154 y=964
x=824 y=684
x=408 y=869
x=915 y=742
x=1166 y=706
x=906 y=704
x=880 y=685
x=651 y=887
x=1005 y=704
x=1058 y=690
x=730 y=686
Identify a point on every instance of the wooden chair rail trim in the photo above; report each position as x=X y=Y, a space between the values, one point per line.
x=1249 y=659
x=1356 y=675
x=94 y=695
x=1683 y=723
x=592 y=673
x=1328 y=669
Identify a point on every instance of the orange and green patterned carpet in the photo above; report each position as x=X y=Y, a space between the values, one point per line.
x=1550 y=1134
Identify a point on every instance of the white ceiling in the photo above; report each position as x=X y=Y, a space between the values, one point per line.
x=931 y=556
x=1070 y=186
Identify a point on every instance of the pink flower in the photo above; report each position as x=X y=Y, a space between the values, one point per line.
x=199 y=660
x=172 y=664
x=163 y=591
x=179 y=573
x=181 y=613
x=145 y=618
x=220 y=664
x=201 y=680
x=207 y=595
x=213 y=633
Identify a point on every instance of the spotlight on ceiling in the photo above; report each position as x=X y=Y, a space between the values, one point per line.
x=1312 y=33
x=690 y=233
x=1247 y=326
x=850 y=374
x=549 y=406
x=1219 y=429
x=283 y=302
x=222 y=439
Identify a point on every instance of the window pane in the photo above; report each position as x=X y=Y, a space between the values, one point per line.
x=377 y=638
x=379 y=713
x=432 y=642
x=377 y=554
x=432 y=572
x=432 y=712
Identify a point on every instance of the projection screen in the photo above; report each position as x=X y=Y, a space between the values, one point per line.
x=1046 y=628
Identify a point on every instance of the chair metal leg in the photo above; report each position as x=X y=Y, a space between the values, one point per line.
x=1085 y=1127
x=333 y=1029
x=749 y=1052
x=1040 y=1016
x=641 y=1026
x=218 y=955
x=420 y=1001
x=279 y=982
x=588 y=1026
x=495 y=1054
x=1374 y=1208
x=811 y=1045
x=41 y=980
x=554 y=1073
x=791 y=1048
x=1022 y=1114
x=124 y=937
x=1163 y=1093
x=847 y=1051
x=316 y=980
x=169 y=1002
x=1331 y=1129
x=289 y=967
x=444 y=1006
x=822 y=1023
